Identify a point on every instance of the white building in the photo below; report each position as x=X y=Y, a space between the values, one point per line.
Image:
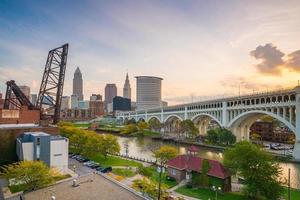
x=53 y=150
x=74 y=101
x=148 y=92
x=65 y=103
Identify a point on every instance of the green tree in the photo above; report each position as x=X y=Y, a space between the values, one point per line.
x=163 y=155
x=188 y=128
x=204 y=178
x=259 y=169
x=155 y=125
x=109 y=145
x=226 y=136
x=31 y=174
x=212 y=136
x=128 y=129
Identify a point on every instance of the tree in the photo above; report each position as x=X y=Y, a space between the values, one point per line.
x=31 y=174
x=258 y=168
x=155 y=125
x=188 y=128
x=204 y=178
x=142 y=125
x=147 y=186
x=128 y=129
x=212 y=136
x=226 y=136
x=163 y=155
x=109 y=145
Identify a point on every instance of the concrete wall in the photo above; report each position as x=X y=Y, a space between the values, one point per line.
x=27 y=149
x=59 y=154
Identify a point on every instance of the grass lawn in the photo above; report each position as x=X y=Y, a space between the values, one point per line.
x=123 y=172
x=146 y=133
x=295 y=194
x=114 y=161
x=206 y=194
x=82 y=125
x=155 y=177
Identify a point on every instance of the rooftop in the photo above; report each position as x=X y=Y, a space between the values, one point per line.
x=149 y=77
x=90 y=187
x=194 y=163
x=7 y=126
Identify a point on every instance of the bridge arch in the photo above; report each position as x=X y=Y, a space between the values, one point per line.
x=240 y=125
x=203 y=122
x=206 y=115
x=154 y=117
x=173 y=115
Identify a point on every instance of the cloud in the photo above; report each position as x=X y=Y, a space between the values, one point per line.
x=293 y=61
x=271 y=59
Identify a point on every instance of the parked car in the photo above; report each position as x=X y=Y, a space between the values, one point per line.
x=99 y=168
x=106 y=170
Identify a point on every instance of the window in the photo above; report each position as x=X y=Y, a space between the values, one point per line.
x=173 y=172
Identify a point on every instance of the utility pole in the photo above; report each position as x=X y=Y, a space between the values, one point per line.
x=289 y=185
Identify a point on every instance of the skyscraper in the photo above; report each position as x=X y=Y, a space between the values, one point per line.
x=148 y=92
x=127 y=88
x=110 y=93
x=78 y=84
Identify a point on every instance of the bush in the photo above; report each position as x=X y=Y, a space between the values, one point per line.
x=146 y=171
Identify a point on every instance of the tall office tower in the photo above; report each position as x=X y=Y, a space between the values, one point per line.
x=74 y=101
x=110 y=93
x=33 y=99
x=65 y=103
x=127 y=88
x=78 y=84
x=148 y=92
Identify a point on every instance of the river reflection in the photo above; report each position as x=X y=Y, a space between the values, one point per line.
x=144 y=147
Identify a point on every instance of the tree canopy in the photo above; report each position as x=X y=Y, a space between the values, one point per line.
x=221 y=136
x=188 y=127
x=257 y=167
x=164 y=154
x=31 y=174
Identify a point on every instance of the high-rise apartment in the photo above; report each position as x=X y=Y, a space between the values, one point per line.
x=127 y=88
x=78 y=84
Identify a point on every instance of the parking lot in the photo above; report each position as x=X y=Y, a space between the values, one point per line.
x=80 y=169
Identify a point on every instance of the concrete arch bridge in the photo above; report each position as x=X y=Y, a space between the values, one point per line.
x=235 y=113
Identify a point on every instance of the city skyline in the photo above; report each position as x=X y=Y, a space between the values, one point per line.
x=198 y=43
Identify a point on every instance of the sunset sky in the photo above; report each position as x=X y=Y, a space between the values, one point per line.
x=201 y=48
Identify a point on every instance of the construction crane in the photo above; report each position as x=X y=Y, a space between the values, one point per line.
x=19 y=99
x=51 y=90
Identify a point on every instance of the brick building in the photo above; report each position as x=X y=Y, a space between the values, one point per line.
x=1 y=101
x=21 y=116
x=269 y=132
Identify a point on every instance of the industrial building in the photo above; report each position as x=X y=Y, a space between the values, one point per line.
x=53 y=150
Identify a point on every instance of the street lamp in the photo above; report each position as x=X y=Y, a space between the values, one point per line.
x=216 y=189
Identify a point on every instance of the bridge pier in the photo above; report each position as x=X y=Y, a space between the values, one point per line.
x=296 y=154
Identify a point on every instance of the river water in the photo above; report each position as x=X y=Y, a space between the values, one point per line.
x=143 y=148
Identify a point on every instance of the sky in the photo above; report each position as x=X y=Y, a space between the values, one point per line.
x=202 y=49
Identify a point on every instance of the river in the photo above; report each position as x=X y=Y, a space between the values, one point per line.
x=143 y=148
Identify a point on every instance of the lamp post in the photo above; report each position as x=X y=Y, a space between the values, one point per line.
x=216 y=189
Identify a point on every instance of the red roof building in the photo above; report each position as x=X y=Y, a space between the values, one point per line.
x=182 y=166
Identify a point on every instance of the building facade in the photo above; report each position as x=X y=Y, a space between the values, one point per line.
x=52 y=150
x=78 y=84
x=110 y=93
x=148 y=92
x=33 y=99
x=121 y=104
x=65 y=102
x=96 y=105
x=127 y=88
x=74 y=101
x=1 y=101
